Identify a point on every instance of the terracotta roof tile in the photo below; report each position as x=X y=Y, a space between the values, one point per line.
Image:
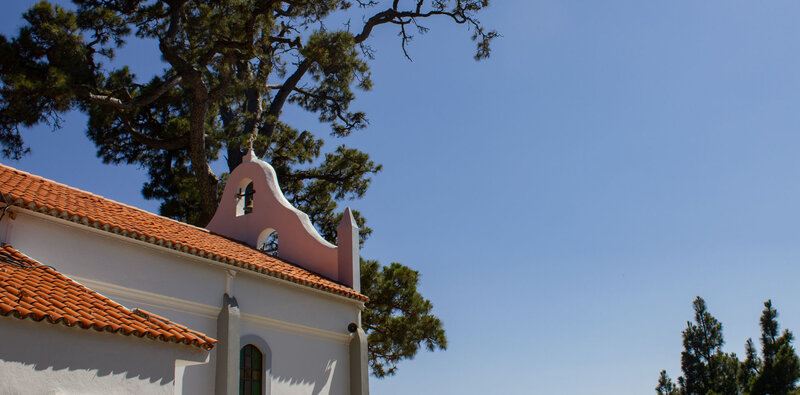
x=31 y=299
x=35 y=193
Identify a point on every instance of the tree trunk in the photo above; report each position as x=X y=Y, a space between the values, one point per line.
x=206 y=179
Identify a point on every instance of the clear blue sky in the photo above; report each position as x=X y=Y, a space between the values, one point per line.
x=566 y=199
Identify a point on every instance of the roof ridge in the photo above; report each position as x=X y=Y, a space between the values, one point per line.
x=34 y=176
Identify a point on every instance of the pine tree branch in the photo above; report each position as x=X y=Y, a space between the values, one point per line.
x=338 y=110
x=168 y=144
x=140 y=101
x=275 y=108
x=175 y=7
x=392 y=15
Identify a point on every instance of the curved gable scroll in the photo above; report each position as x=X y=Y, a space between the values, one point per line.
x=299 y=242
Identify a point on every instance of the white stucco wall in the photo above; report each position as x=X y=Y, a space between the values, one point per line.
x=305 y=329
x=44 y=358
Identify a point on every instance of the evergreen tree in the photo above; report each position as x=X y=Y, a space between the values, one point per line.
x=780 y=365
x=232 y=67
x=398 y=318
x=665 y=385
x=750 y=367
x=708 y=370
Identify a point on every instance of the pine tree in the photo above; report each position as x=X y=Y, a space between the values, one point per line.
x=665 y=385
x=233 y=65
x=780 y=368
x=398 y=318
x=750 y=367
x=708 y=370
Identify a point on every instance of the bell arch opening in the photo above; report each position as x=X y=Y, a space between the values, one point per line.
x=244 y=197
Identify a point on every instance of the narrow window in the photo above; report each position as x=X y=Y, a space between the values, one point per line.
x=250 y=366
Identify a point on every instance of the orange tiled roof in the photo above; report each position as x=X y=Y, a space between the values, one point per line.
x=39 y=194
x=29 y=289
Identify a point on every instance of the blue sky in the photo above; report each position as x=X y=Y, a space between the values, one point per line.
x=566 y=199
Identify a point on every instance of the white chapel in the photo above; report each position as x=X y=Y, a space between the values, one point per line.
x=98 y=297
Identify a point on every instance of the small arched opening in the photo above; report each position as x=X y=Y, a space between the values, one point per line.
x=268 y=241
x=244 y=197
